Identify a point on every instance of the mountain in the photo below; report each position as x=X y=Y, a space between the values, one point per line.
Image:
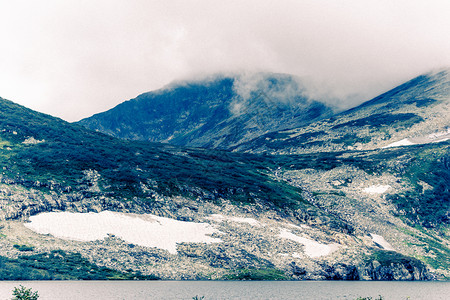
x=415 y=112
x=218 y=112
x=79 y=204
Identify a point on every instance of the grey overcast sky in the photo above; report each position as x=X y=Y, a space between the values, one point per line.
x=74 y=58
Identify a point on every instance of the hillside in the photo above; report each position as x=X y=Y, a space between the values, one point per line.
x=219 y=112
x=39 y=151
x=70 y=196
x=415 y=112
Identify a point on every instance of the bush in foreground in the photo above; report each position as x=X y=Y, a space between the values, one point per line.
x=23 y=293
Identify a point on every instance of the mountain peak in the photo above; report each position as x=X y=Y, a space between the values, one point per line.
x=217 y=111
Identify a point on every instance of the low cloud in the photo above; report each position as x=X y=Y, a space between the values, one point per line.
x=76 y=58
x=278 y=86
x=275 y=90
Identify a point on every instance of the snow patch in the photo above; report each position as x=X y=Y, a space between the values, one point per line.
x=312 y=248
x=222 y=218
x=144 y=230
x=381 y=241
x=436 y=137
x=168 y=139
x=301 y=227
x=404 y=142
x=295 y=255
x=377 y=189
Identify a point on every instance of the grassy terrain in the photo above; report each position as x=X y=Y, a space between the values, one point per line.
x=65 y=151
x=434 y=245
x=60 y=265
x=387 y=258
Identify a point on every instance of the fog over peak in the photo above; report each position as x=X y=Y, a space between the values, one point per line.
x=74 y=58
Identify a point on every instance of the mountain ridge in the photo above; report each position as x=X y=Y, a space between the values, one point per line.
x=415 y=109
x=217 y=113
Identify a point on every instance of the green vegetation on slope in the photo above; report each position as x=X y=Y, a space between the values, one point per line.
x=60 y=265
x=427 y=206
x=387 y=258
x=418 y=166
x=439 y=257
x=62 y=152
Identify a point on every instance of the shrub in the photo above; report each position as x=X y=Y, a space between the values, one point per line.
x=23 y=293
x=23 y=247
x=257 y=274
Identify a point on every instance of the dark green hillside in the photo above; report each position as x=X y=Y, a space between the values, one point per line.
x=59 y=265
x=155 y=116
x=402 y=94
x=59 y=153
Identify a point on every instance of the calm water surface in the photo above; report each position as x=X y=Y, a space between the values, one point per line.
x=87 y=290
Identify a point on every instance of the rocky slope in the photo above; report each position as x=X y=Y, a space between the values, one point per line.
x=370 y=215
x=219 y=112
x=415 y=112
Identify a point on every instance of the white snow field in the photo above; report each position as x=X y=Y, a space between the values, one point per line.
x=144 y=230
x=376 y=189
x=222 y=218
x=404 y=142
x=381 y=241
x=312 y=248
x=436 y=137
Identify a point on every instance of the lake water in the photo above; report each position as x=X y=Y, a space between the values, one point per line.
x=98 y=290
